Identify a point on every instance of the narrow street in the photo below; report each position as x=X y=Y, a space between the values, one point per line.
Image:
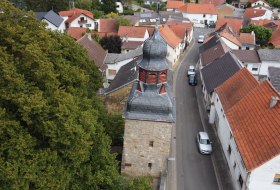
x=194 y=171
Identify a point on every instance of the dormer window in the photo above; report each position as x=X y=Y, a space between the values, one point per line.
x=152 y=78
x=162 y=77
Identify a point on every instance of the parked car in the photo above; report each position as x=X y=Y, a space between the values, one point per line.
x=200 y=39
x=204 y=143
x=192 y=80
x=191 y=70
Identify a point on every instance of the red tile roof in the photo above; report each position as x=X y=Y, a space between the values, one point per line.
x=255 y=126
x=174 y=4
x=215 y=2
x=179 y=30
x=132 y=31
x=170 y=37
x=235 y=88
x=230 y=37
x=193 y=8
x=74 y=13
x=251 y=13
x=247 y=38
x=275 y=38
x=95 y=51
x=273 y=24
x=235 y=24
x=108 y=26
x=188 y=25
x=76 y=32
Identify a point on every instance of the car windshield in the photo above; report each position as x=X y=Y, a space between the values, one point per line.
x=204 y=141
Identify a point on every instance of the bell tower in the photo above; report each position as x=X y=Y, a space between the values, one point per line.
x=149 y=114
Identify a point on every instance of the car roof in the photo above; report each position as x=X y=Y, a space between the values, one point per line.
x=201 y=36
x=191 y=67
x=203 y=135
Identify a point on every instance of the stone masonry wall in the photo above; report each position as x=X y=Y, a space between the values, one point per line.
x=146 y=147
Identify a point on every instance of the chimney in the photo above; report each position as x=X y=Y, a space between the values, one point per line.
x=273 y=102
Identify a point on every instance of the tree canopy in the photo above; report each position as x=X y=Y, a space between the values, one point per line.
x=263 y=34
x=51 y=134
x=111 y=43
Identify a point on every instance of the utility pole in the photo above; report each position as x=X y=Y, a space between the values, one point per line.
x=71 y=4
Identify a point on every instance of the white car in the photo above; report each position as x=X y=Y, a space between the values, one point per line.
x=204 y=143
x=200 y=39
x=191 y=70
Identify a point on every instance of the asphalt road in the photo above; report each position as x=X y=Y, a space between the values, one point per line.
x=194 y=171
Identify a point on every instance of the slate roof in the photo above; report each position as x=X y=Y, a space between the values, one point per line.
x=214 y=40
x=255 y=126
x=193 y=8
x=117 y=57
x=213 y=53
x=274 y=77
x=249 y=56
x=219 y=71
x=235 y=88
x=127 y=74
x=50 y=16
x=95 y=51
x=269 y=54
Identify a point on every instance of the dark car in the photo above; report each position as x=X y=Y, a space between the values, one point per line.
x=192 y=80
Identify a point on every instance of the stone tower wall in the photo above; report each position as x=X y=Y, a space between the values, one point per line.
x=146 y=147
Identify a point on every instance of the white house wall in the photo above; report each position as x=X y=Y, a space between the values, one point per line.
x=226 y=139
x=199 y=19
x=116 y=67
x=260 y=3
x=230 y=44
x=265 y=64
x=75 y=23
x=52 y=27
x=267 y=15
x=173 y=54
x=262 y=177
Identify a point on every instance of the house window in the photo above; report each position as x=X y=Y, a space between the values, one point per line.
x=152 y=78
x=255 y=67
x=88 y=25
x=229 y=149
x=82 y=18
x=276 y=179
x=150 y=165
x=221 y=110
x=240 y=180
x=217 y=99
x=204 y=15
x=230 y=135
x=247 y=48
x=234 y=165
x=151 y=143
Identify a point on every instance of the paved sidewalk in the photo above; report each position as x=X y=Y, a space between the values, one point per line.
x=218 y=158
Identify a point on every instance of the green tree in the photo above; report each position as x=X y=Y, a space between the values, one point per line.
x=51 y=134
x=263 y=34
x=109 y=6
x=111 y=43
x=96 y=37
x=98 y=14
x=83 y=4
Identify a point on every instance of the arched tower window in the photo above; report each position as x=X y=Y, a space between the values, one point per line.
x=162 y=76
x=142 y=75
x=152 y=78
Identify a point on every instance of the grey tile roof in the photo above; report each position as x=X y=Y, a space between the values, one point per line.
x=112 y=58
x=50 y=16
x=219 y=71
x=126 y=75
x=269 y=54
x=249 y=56
x=274 y=77
x=210 y=43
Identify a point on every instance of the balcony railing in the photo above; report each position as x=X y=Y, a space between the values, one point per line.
x=82 y=21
